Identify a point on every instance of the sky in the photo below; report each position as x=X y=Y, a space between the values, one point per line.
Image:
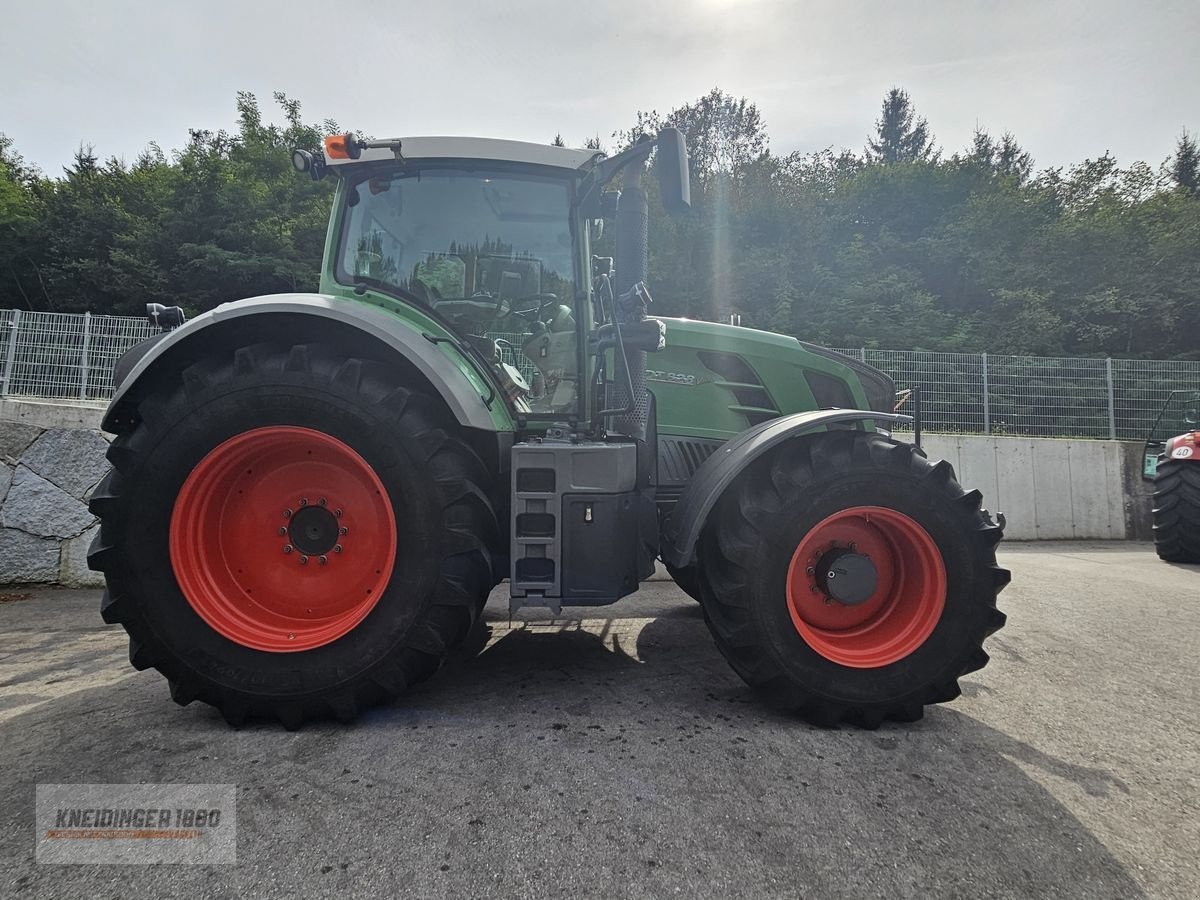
x=1070 y=79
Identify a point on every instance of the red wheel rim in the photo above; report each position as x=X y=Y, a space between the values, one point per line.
x=283 y=539
x=899 y=614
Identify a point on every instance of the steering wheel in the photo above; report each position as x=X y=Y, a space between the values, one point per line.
x=476 y=308
x=543 y=301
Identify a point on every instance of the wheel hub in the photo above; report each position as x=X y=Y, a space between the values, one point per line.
x=847 y=577
x=313 y=531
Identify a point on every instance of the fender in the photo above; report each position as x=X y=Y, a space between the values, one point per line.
x=460 y=393
x=716 y=473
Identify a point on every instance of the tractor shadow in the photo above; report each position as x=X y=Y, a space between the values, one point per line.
x=944 y=796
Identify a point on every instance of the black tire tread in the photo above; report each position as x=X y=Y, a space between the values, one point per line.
x=1177 y=511
x=469 y=520
x=739 y=524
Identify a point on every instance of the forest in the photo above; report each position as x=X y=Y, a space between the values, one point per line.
x=901 y=244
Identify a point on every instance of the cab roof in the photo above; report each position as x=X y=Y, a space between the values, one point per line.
x=475 y=148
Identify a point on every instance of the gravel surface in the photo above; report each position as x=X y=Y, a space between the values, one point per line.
x=617 y=755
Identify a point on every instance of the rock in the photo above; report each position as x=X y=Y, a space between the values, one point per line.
x=35 y=505
x=26 y=558
x=73 y=569
x=15 y=437
x=71 y=458
x=6 y=477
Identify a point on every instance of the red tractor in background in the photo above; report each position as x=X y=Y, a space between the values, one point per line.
x=1173 y=464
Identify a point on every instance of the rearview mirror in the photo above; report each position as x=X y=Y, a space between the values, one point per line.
x=673 y=179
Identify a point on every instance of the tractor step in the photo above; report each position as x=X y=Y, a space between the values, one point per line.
x=574 y=523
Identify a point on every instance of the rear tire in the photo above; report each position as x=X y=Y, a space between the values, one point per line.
x=1177 y=511
x=756 y=588
x=445 y=528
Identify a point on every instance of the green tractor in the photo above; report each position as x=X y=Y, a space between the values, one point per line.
x=312 y=495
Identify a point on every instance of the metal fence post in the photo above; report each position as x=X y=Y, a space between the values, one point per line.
x=987 y=410
x=12 y=352
x=83 y=361
x=862 y=354
x=1112 y=406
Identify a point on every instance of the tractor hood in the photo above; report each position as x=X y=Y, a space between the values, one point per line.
x=778 y=359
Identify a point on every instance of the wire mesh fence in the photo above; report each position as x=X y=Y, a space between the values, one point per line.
x=1038 y=396
x=61 y=356
x=68 y=356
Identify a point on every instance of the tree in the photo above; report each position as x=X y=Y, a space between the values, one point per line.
x=723 y=134
x=1185 y=164
x=558 y=141
x=900 y=136
x=1004 y=157
x=22 y=237
x=975 y=252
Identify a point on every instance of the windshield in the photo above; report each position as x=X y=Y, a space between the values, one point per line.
x=490 y=252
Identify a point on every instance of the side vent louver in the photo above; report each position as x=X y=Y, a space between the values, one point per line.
x=753 y=401
x=679 y=458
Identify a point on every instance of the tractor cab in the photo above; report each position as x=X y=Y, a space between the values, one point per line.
x=492 y=240
x=491 y=251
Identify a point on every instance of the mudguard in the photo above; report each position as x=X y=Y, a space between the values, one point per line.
x=448 y=381
x=719 y=470
x=1183 y=447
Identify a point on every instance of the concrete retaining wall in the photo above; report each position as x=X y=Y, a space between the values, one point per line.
x=1053 y=489
x=52 y=456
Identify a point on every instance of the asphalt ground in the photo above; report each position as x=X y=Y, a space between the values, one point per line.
x=619 y=756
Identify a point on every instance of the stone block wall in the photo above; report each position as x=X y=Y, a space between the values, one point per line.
x=47 y=475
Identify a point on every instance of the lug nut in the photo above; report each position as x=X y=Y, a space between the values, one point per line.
x=337 y=548
x=811 y=571
x=343 y=530
x=282 y=531
x=287 y=513
x=322 y=560
x=321 y=502
x=304 y=501
x=304 y=560
x=338 y=513
x=287 y=548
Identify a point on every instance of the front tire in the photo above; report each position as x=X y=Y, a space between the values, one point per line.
x=291 y=534
x=918 y=596
x=1177 y=511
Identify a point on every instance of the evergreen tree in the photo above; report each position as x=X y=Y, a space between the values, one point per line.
x=900 y=137
x=1185 y=164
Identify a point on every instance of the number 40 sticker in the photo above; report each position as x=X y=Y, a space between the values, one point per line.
x=1181 y=453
